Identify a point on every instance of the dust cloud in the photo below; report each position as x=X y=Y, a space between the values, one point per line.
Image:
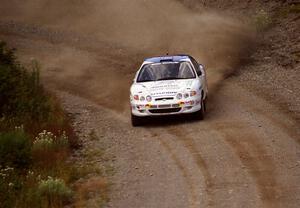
x=140 y=28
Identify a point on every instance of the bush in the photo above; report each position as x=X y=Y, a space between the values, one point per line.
x=23 y=187
x=46 y=141
x=62 y=141
x=15 y=150
x=24 y=160
x=9 y=184
x=22 y=97
x=54 y=191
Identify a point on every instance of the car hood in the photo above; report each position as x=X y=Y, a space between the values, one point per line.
x=166 y=87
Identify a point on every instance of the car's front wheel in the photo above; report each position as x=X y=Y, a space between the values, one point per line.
x=135 y=120
x=201 y=113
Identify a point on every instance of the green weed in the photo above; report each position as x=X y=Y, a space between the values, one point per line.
x=53 y=192
x=25 y=158
x=15 y=150
x=262 y=20
x=283 y=12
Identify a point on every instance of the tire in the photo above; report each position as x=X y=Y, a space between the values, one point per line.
x=199 y=115
x=135 y=120
x=205 y=105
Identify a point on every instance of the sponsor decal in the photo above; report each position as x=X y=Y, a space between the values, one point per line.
x=163 y=93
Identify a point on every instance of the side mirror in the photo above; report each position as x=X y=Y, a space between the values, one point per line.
x=201 y=67
x=201 y=71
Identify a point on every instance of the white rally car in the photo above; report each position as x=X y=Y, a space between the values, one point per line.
x=168 y=85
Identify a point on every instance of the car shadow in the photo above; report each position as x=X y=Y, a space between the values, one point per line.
x=169 y=120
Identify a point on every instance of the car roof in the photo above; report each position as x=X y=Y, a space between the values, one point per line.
x=168 y=58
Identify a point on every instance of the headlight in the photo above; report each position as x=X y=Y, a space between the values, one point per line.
x=136 y=97
x=186 y=95
x=149 y=98
x=179 y=96
x=142 y=98
x=193 y=93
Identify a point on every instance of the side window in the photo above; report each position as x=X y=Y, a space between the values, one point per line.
x=196 y=65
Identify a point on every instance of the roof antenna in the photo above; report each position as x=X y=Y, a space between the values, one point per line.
x=167 y=54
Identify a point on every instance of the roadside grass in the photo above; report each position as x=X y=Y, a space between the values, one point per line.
x=283 y=12
x=92 y=190
x=36 y=139
x=92 y=193
x=27 y=168
x=262 y=20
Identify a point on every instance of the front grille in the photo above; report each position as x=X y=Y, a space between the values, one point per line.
x=167 y=110
x=164 y=98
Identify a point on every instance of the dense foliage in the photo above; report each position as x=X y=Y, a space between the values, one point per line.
x=33 y=167
x=15 y=150
x=22 y=98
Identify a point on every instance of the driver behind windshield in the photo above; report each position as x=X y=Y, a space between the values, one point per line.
x=166 y=71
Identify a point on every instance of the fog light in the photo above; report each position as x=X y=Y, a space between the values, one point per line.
x=193 y=93
x=179 y=96
x=149 y=98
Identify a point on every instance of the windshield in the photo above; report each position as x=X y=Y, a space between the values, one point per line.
x=166 y=71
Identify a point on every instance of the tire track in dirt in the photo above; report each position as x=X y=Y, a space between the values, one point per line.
x=72 y=42
x=182 y=168
x=251 y=153
x=245 y=144
x=190 y=145
x=115 y=129
x=157 y=134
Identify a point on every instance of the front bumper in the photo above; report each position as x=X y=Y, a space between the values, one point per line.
x=165 y=108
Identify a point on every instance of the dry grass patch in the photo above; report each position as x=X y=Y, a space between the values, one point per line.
x=92 y=193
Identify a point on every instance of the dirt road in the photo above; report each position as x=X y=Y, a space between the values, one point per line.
x=244 y=154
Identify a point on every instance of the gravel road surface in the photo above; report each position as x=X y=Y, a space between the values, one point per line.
x=244 y=154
